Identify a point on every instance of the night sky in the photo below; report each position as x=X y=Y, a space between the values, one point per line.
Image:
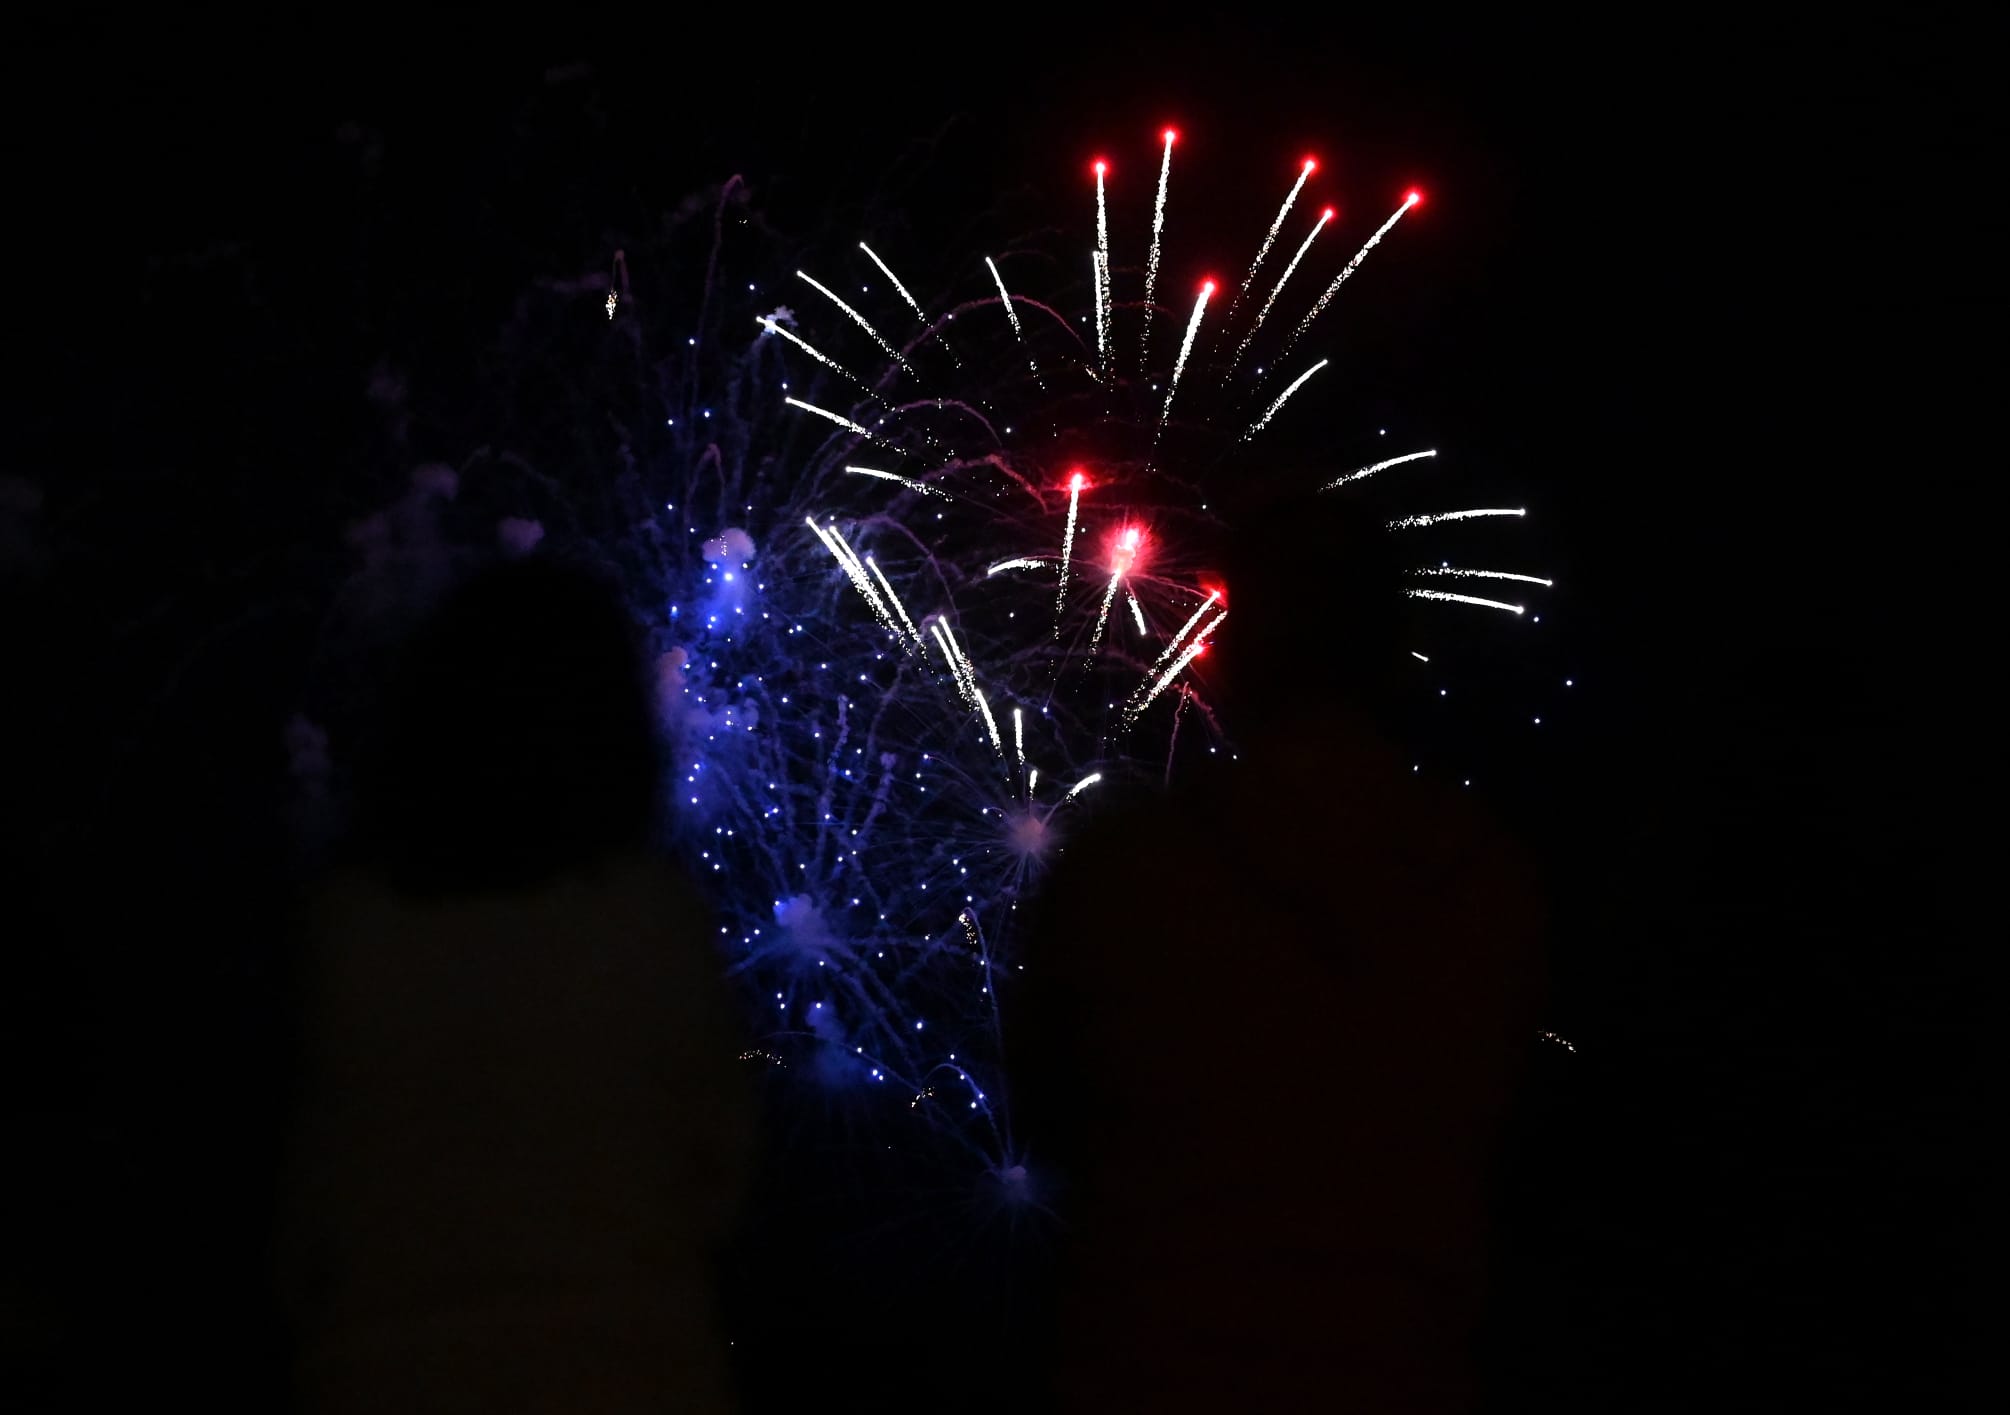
x=1671 y=287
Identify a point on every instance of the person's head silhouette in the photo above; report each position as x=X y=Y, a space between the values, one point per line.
x=517 y=740
x=1315 y=595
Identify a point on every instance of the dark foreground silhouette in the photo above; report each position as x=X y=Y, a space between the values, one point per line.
x=521 y=1132
x=1269 y=1032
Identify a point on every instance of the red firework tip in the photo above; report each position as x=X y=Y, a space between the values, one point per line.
x=1311 y=164
x=1101 y=167
x=1077 y=481
x=1200 y=650
x=1172 y=134
x=1414 y=197
x=1330 y=213
x=1207 y=287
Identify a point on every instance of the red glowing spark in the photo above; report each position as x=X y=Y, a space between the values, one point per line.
x=1207 y=287
x=1414 y=197
x=1311 y=164
x=1077 y=481
x=1332 y=212
x=1171 y=134
x=1101 y=167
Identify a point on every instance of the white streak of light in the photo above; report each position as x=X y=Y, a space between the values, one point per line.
x=1185 y=348
x=1013 y=315
x=1341 y=279
x=1486 y=575
x=839 y=418
x=1419 y=657
x=1173 y=643
x=1019 y=735
x=899 y=608
x=1067 y=549
x=949 y=657
x=1275 y=290
x=1032 y=781
x=1137 y=610
x=1103 y=615
x=1464 y=599
x=976 y=693
x=1271 y=236
x=1191 y=652
x=1406 y=522
x=1271 y=411
x=819 y=355
x=1079 y=787
x=909 y=482
x=1158 y=226
x=856 y=567
x=1378 y=467
x=874 y=255
x=1099 y=270
x=1024 y=562
x=856 y=318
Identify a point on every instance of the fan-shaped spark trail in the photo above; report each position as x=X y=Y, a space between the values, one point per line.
x=1270 y=236
x=860 y=320
x=1278 y=289
x=1326 y=295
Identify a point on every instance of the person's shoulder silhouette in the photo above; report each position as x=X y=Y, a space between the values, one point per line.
x=523 y=1121
x=1268 y=1021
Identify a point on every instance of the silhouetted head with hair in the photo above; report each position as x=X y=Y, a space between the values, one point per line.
x=516 y=739
x=1315 y=599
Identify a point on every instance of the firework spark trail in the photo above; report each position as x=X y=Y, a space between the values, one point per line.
x=955 y=664
x=1486 y=575
x=1449 y=598
x=1137 y=610
x=1032 y=782
x=1023 y=562
x=1405 y=523
x=1185 y=348
x=909 y=482
x=1152 y=265
x=1188 y=655
x=887 y=271
x=1384 y=466
x=1419 y=657
x=1079 y=787
x=1172 y=644
x=858 y=319
x=1019 y=736
x=1277 y=289
x=839 y=418
x=1013 y=315
x=1099 y=272
x=1100 y=264
x=1270 y=236
x=983 y=703
x=1271 y=411
x=1127 y=552
x=899 y=608
x=1067 y=549
x=1341 y=279
x=819 y=355
x=853 y=571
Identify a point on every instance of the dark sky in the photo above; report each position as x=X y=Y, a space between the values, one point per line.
x=1672 y=282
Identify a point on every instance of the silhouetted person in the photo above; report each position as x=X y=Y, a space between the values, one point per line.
x=1268 y=1026
x=524 y=1125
